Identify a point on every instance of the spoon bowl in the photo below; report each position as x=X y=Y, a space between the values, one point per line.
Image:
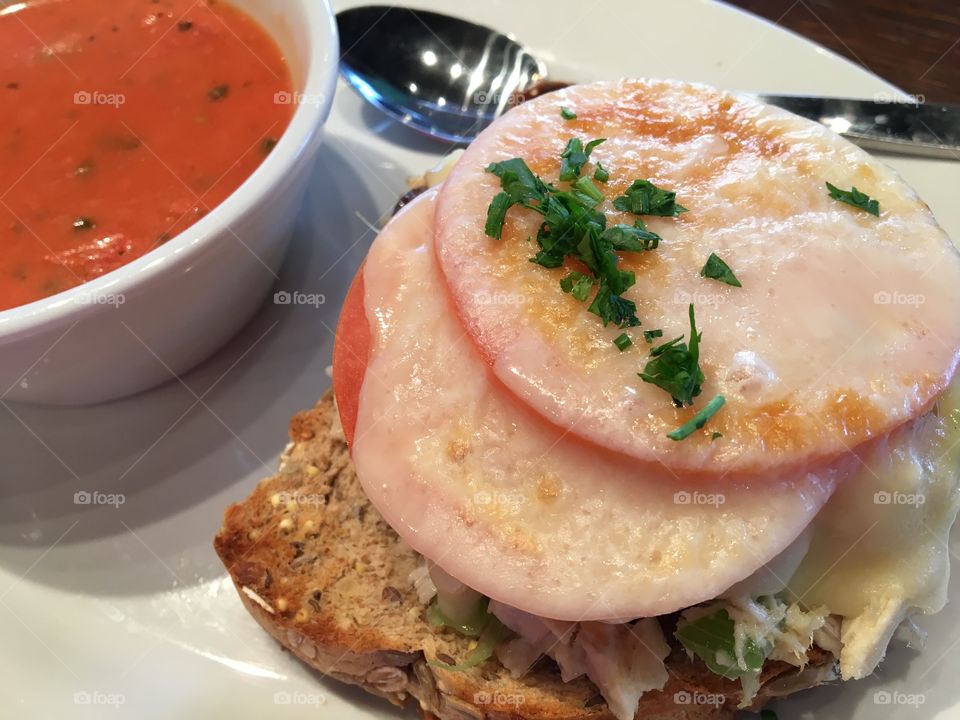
x=443 y=76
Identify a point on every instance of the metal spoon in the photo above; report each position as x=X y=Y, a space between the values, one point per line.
x=449 y=78
x=440 y=75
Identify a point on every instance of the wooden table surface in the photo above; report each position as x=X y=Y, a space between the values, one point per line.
x=915 y=44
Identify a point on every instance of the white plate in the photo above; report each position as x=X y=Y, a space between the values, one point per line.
x=125 y=612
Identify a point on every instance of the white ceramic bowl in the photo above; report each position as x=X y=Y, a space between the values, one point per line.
x=154 y=319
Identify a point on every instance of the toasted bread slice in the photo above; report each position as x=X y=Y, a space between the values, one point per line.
x=321 y=571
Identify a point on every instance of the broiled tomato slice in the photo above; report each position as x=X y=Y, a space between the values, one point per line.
x=351 y=349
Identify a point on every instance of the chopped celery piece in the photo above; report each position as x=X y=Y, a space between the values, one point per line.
x=490 y=636
x=471 y=627
x=711 y=638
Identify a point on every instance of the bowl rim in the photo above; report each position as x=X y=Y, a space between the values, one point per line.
x=319 y=84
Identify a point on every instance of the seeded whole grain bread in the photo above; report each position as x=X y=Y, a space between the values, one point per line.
x=321 y=571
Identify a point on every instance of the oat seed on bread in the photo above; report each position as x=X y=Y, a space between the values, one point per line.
x=319 y=569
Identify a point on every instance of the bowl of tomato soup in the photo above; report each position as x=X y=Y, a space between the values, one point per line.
x=154 y=156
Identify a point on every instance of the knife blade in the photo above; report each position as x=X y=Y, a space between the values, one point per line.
x=899 y=126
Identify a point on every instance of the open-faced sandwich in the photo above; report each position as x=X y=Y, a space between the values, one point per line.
x=644 y=411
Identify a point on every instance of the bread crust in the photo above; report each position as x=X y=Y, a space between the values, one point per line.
x=325 y=576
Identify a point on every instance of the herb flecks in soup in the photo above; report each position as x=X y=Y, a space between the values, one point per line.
x=124 y=122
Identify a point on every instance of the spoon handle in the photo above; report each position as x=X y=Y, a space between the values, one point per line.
x=898 y=127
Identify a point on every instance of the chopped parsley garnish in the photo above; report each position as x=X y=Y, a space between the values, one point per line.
x=585 y=185
x=632 y=238
x=715 y=436
x=855 y=198
x=610 y=307
x=717 y=269
x=497 y=213
x=575 y=156
x=699 y=420
x=578 y=285
x=675 y=367
x=567 y=114
x=645 y=198
x=518 y=180
x=573 y=228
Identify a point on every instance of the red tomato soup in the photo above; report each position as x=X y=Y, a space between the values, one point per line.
x=123 y=123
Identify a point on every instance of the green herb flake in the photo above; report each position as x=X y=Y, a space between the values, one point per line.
x=699 y=420
x=578 y=285
x=268 y=144
x=567 y=114
x=711 y=638
x=651 y=335
x=631 y=237
x=717 y=269
x=622 y=342
x=574 y=156
x=497 y=215
x=645 y=198
x=518 y=180
x=82 y=223
x=586 y=187
x=600 y=174
x=218 y=93
x=613 y=308
x=715 y=436
x=675 y=367
x=855 y=198
x=768 y=715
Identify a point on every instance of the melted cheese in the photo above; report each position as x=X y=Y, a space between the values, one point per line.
x=845 y=326
x=879 y=550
